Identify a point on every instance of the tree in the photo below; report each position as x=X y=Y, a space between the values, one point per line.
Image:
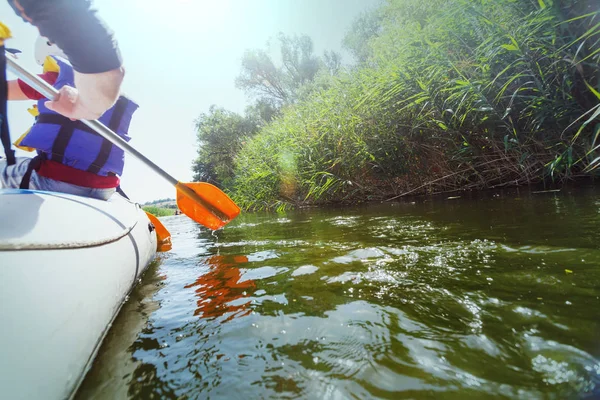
x=221 y=134
x=263 y=111
x=332 y=61
x=364 y=28
x=278 y=85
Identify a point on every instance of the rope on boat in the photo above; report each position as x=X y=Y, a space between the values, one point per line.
x=7 y=246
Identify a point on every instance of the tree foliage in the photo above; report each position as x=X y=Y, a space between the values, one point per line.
x=276 y=85
x=263 y=110
x=221 y=135
x=365 y=27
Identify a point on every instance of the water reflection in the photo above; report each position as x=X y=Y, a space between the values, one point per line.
x=220 y=290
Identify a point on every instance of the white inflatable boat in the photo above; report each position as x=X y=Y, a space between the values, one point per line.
x=67 y=264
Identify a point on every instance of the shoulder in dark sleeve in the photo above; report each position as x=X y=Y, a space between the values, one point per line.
x=74 y=26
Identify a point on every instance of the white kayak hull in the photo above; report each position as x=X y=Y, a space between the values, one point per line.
x=67 y=264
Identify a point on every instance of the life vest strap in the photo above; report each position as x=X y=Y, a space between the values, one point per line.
x=65 y=133
x=106 y=147
x=4 y=132
x=57 y=119
x=64 y=173
x=34 y=165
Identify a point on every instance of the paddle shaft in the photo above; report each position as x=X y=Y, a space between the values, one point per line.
x=50 y=93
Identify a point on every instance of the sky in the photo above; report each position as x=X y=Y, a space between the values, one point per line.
x=181 y=57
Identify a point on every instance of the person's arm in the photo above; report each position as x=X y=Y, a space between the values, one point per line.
x=92 y=95
x=90 y=47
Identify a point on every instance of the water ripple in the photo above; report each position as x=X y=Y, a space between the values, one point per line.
x=457 y=300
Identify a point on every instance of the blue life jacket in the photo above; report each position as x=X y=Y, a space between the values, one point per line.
x=74 y=144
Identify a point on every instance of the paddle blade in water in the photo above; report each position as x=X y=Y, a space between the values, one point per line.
x=206 y=204
x=163 y=236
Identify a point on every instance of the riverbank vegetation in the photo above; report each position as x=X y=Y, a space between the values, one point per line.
x=443 y=95
x=160 y=211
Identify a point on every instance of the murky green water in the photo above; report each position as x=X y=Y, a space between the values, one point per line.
x=489 y=297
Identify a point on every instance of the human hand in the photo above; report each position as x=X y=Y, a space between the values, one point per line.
x=69 y=104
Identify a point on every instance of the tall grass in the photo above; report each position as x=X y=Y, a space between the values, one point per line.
x=458 y=94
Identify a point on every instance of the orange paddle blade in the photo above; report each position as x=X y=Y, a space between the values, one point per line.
x=163 y=236
x=206 y=204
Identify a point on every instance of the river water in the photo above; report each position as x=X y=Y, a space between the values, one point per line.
x=494 y=295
